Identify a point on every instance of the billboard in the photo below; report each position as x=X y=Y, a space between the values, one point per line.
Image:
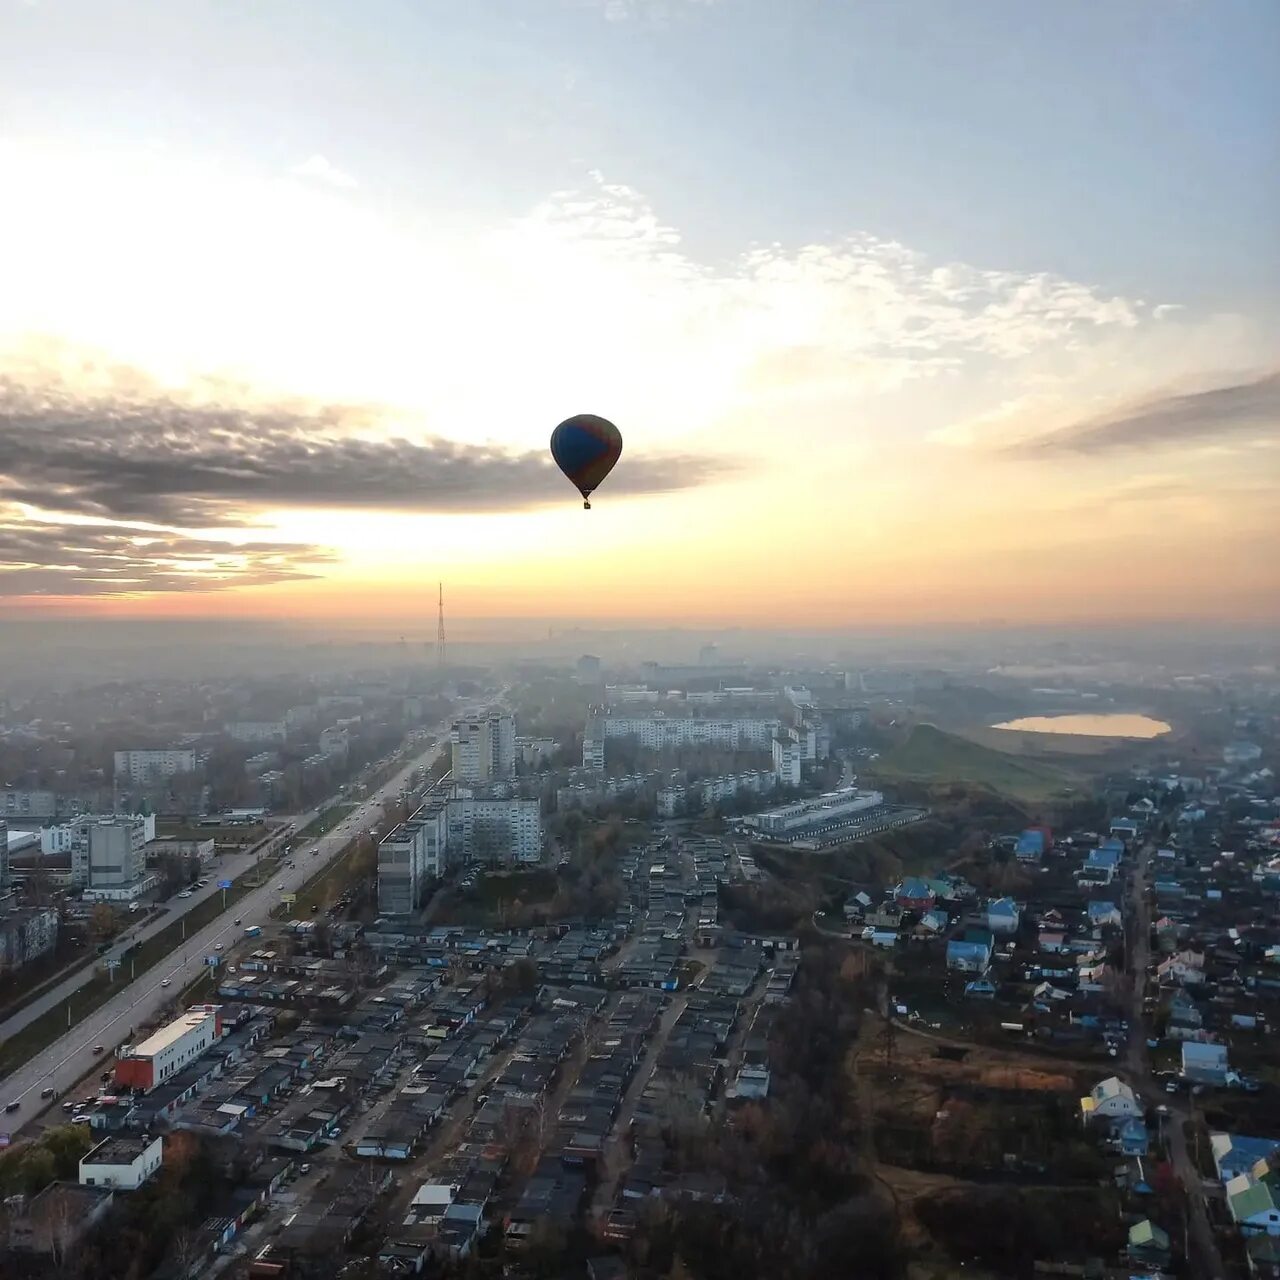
x=224 y=884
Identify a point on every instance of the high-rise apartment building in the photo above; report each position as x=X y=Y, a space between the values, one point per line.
x=484 y=749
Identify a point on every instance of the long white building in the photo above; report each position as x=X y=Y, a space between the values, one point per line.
x=146 y=766
x=657 y=733
x=832 y=806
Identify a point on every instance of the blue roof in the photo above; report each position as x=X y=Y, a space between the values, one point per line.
x=1002 y=907
x=1112 y=842
x=961 y=947
x=914 y=887
x=1031 y=842
x=1104 y=857
x=1099 y=909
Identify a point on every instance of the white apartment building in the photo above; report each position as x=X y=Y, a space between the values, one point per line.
x=484 y=749
x=74 y=837
x=15 y=803
x=494 y=831
x=122 y=1163
x=656 y=733
x=147 y=766
x=672 y=800
x=788 y=756
x=410 y=857
x=257 y=730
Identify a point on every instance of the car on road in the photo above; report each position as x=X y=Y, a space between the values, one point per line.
x=280 y=887
x=99 y=1048
x=186 y=893
x=12 y=1106
x=217 y=946
x=46 y=1093
x=164 y=982
x=236 y=920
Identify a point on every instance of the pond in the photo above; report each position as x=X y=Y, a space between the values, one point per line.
x=1116 y=725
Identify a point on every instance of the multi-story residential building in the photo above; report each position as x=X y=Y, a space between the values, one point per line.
x=149 y=766
x=335 y=741
x=494 y=831
x=26 y=933
x=117 y=859
x=74 y=838
x=788 y=758
x=657 y=733
x=588 y=669
x=673 y=800
x=410 y=857
x=264 y=731
x=534 y=751
x=484 y=749
x=21 y=803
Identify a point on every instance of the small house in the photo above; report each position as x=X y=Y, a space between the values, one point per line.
x=1255 y=1204
x=1110 y=1100
x=1148 y=1245
x=969 y=955
x=914 y=894
x=1204 y=1063
x=1003 y=916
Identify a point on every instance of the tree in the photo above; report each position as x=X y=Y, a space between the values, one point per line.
x=104 y=922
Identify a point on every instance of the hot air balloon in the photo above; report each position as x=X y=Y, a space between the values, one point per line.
x=585 y=448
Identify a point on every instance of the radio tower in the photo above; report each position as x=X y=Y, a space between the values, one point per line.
x=440 y=630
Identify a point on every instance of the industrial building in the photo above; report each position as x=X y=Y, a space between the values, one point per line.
x=173 y=1047
x=831 y=807
x=122 y=1162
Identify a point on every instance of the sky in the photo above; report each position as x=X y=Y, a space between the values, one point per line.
x=915 y=312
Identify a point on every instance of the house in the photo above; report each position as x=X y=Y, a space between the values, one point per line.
x=933 y=922
x=980 y=989
x=1133 y=1138
x=1104 y=915
x=1148 y=1245
x=1030 y=846
x=1234 y=1153
x=1255 y=1204
x=1204 y=1063
x=1125 y=828
x=857 y=906
x=1101 y=865
x=1183 y=968
x=1003 y=916
x=970 y=954
x=884 y=938
x=122 y=1163
x=1111 y=1100
x=54 y=1220
x=914 y=894
x=1264 y=1256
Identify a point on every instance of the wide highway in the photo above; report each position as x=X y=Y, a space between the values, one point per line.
x=72 y=1056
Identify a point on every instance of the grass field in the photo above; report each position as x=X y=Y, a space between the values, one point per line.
x=930 y=755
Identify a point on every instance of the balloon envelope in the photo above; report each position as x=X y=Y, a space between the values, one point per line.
x=585 y=447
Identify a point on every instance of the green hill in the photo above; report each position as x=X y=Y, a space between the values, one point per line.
x=930 y=755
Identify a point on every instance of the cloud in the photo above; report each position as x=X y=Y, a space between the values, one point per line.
x=132 y=452
x=319 y=169
x=39 y=558
x=1172 y=418
x=655 y=11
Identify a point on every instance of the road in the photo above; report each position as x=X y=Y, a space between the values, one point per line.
x=71 y=1056
x=226 y=866
x=1205 y=1260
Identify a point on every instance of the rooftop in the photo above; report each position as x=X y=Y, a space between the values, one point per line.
x=119 y=1150
x=167 y=1035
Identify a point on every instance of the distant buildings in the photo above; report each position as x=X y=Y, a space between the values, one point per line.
x=588 y=669
x=788 y=756
x=1241 y=753
x=149 y=766
x=673 y=800
x=264 y=731
x=484 y=749
x=16 y=803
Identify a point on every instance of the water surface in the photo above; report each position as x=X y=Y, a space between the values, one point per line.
x=1112 y=725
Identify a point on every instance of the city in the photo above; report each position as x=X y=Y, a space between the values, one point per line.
x=575 y=972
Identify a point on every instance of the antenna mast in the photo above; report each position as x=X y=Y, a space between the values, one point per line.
x=440 y=630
